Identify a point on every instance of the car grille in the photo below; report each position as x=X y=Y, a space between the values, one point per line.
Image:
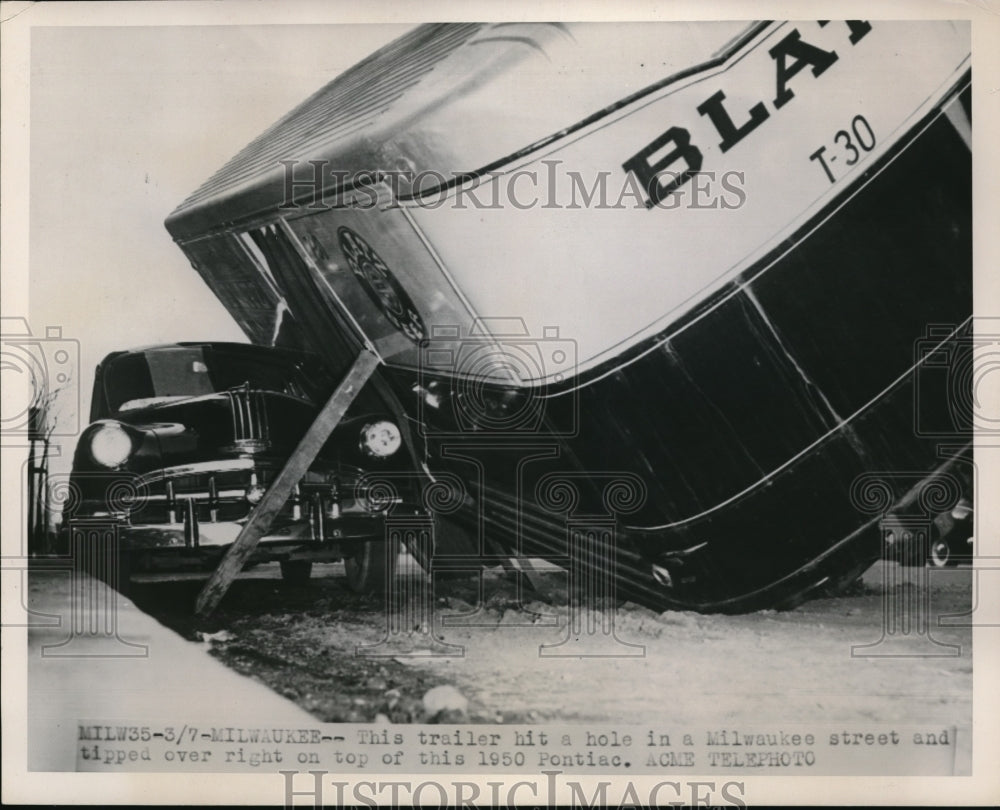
x=225 y=496
x=251 y=431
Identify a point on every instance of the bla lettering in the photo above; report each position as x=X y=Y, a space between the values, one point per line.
x=647 y=172
x=804 y=54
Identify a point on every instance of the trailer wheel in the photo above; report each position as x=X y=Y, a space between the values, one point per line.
x=371 y=566
x=296 y=572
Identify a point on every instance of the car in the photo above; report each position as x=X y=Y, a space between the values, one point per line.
x=184 y=440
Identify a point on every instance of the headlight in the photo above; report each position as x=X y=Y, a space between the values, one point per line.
x=381 y=439
x=110 y=446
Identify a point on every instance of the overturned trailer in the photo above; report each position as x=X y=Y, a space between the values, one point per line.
x=697 y=293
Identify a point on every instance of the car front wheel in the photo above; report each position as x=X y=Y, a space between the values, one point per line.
x=371 y=566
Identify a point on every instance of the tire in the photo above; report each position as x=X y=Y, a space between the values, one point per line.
x=296 y=572
x=371 y=567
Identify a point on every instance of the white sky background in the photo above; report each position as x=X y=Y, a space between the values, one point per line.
x=126 y=123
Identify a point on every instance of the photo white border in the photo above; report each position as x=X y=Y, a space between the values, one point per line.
x=20 y=786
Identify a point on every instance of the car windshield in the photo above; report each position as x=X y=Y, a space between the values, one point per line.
x=159 y=376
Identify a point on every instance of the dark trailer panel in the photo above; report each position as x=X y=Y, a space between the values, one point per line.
x=709 y=284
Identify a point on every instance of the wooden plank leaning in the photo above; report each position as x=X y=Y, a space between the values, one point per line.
x=281 y=489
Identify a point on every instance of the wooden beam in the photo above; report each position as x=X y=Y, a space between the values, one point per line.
x=281 y=488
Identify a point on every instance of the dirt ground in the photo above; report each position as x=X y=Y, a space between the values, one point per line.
x=338 y=656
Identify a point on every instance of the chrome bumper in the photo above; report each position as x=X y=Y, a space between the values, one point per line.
x=194 y=534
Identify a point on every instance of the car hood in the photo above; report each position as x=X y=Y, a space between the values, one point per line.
x=234 y=423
